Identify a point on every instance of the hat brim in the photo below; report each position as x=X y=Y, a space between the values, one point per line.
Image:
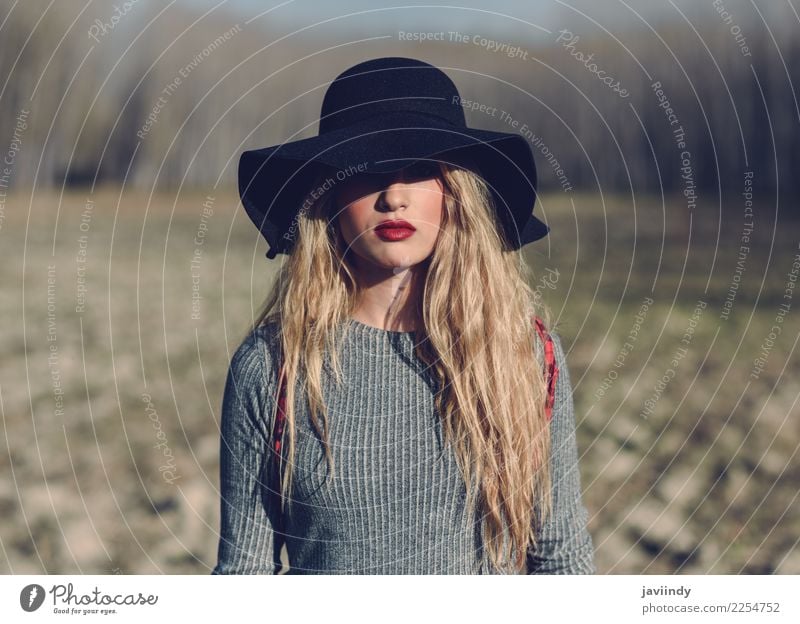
x=274 y=180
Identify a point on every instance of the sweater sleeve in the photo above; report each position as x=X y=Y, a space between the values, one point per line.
x=565 y=545
x=248 y=543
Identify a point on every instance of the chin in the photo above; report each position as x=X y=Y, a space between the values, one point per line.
x=397 y=259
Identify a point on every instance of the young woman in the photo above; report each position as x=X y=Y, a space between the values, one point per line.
x=392 y=409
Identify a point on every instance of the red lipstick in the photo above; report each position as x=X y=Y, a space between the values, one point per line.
x=393 y=230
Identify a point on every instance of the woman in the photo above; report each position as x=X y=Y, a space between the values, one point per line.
x=397 y=359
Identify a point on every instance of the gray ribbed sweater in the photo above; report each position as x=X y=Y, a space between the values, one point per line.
x=396 y=504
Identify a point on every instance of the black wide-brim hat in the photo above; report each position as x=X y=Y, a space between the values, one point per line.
x=380 y=116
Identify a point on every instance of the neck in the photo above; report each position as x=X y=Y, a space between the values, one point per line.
x=389 y=299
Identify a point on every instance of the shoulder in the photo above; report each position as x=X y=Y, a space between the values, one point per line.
x=563 y=383
x=251 y=384
x=256 y=359
x=558 y=349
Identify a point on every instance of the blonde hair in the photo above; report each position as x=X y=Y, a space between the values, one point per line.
x=478 y=338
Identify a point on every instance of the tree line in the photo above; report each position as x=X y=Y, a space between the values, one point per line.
x=161 y=98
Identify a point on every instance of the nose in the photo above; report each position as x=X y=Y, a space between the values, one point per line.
x=396 y=194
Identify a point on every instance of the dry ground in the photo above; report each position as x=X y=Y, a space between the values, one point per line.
x=706 y=483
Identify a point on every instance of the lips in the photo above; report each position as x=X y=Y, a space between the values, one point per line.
x=395 y=224
x=394 y=230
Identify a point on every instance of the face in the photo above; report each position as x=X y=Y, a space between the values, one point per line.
x=412 y=197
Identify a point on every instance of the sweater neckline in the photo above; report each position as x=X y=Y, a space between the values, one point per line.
x=371 y=330
x=380 y=342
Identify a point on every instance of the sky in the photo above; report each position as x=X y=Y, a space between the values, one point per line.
x=533 y=21
x=519 y=17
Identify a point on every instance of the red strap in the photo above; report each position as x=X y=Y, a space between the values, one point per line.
x=550 y=367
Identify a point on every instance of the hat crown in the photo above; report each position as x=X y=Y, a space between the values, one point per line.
x=387 y=86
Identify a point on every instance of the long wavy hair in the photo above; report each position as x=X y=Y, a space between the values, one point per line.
x=478 y=339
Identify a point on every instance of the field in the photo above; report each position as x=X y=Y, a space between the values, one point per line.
x=112 y=378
